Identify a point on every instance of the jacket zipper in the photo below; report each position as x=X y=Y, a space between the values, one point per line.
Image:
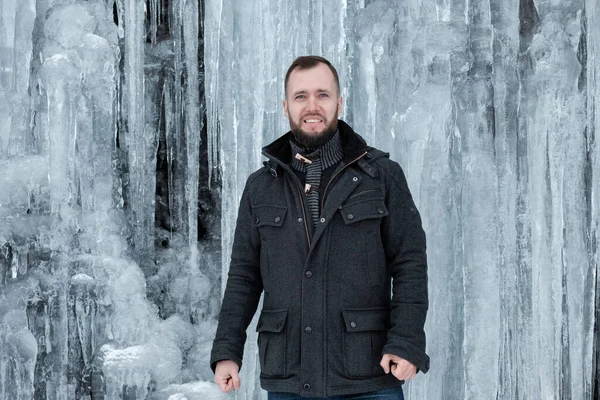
x=336 y=174
x=304 y=216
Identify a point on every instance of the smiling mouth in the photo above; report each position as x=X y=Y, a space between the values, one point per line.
x=312 y=120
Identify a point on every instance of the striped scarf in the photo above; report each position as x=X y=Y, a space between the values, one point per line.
x=313 y=162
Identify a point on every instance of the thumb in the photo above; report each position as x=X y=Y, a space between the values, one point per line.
x=235 y=377
x=385 y=363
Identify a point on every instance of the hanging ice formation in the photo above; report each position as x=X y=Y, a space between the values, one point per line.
x=128 y=129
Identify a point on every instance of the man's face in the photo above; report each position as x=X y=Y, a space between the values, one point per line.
x=312 y=105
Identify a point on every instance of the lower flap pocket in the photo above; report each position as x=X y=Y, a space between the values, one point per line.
x=272 y=343
x=363 y=339
x=366 y=319
x=272 y=320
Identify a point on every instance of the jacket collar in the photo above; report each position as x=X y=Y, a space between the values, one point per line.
x=353 y=145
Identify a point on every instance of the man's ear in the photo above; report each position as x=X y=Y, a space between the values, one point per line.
x=285 y=108
x=340 y=106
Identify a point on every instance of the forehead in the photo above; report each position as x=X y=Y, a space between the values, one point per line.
x=317 y=77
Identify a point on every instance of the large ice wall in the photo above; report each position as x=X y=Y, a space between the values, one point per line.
x=107 y=254
x=489 y=106
x=122 y=120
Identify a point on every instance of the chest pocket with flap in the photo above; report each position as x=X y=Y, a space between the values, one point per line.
x=269 y=219
x=369 y=258
x=269 y=215
x=365 y=203
x=361 y=210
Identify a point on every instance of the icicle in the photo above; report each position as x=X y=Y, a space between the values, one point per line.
x=174 y=136
x=560 y=264
x=169 y=130
x=212 y=34
x=592 y=37
x=60 y=80
x=154 y=15
x=120 y=6
x=139 y=147
x=16 y=27
x=192 y=118
x=213 y=93
x=14 y=262
x=47 y=327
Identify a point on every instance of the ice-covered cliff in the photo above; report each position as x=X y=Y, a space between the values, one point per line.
x=128 y=128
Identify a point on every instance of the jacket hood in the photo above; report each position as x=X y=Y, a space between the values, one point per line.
x=352 y=144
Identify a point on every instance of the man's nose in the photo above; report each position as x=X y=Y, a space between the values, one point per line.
x=312 y=103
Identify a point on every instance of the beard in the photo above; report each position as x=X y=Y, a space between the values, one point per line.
x=314 y=139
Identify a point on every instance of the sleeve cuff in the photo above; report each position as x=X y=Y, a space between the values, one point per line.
x=410 y=353
x=216 y=357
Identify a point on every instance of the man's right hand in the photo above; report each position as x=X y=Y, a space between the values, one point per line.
x=227 y=375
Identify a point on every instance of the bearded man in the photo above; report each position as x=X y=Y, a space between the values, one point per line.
x=328 y=231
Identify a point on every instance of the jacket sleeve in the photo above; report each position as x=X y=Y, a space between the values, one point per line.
x=404 y=244
x=243 y=290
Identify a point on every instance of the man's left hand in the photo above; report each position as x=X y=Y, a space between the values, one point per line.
x=403 y=370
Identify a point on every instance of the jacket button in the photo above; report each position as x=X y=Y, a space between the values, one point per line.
x=307 y=386
x=299 y=219
x=380 y=210
x=322 y=220
x=308 y=274
x=256 y=221
x=350 y=216
x=277 y=219
x=353 y=324
x=278 y=325
x=308 y=329
x=355 y=179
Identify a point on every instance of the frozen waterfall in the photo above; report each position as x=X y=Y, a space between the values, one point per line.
x=128 y=129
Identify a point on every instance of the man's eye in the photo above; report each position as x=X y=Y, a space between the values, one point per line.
x=323 y=95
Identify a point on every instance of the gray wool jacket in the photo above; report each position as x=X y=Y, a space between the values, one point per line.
x=336 y=297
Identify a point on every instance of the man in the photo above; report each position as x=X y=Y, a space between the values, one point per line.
x=324 y=230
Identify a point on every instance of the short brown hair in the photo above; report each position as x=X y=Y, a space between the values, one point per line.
x=307 y=62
